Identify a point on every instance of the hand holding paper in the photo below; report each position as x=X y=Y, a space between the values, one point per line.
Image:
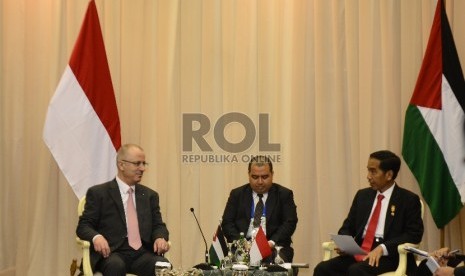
x=347 y=244
x=431 y=262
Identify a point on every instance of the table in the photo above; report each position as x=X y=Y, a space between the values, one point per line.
x=229 y=272
x=250 y=272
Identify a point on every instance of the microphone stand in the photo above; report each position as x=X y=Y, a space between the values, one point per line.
x=206 y=265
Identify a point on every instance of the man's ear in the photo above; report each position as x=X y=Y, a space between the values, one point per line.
x=389 y=175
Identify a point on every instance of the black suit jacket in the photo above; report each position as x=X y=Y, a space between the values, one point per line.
x=104 y=214
x=459 y=271
x=402 y=225
x=423 y=269
x=281 y=214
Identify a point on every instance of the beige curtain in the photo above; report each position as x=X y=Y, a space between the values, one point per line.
x=334 y=77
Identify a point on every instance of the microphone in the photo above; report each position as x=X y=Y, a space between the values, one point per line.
x=206 y=265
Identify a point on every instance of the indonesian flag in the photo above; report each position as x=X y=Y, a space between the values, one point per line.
x=434 y=141
x=260 y=248
x=218 y=248
x=82 y=128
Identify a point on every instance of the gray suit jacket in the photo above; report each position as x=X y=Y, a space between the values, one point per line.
x=104 y=214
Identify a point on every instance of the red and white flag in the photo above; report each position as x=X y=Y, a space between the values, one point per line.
x=260 y=248
x=82 y=128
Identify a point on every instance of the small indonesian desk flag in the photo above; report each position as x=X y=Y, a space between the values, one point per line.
x=82 y=128
x=260 y=248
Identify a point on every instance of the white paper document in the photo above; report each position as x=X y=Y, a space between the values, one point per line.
x=347 y=244
x=416 y=251
x=432 y=264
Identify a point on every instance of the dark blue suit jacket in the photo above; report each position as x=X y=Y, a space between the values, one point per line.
x=281 y=214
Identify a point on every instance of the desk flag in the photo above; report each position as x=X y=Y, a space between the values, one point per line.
x=434 y=137
x=82 y=128
x=260 y=248
x=218 y=248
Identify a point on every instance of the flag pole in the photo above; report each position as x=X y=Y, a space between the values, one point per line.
x=442 y=235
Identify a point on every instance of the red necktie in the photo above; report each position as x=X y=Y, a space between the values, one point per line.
x=370 y=234
x=133 y=225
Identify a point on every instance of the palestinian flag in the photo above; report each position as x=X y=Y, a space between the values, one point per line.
x=434 y=134
x=218 y=248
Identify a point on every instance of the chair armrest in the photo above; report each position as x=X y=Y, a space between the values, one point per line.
x=85 y=245
x=328 y=250
x=402 y=266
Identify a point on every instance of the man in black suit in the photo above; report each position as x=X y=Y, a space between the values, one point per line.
x=279 y=214
x=450 y=271
x=109 y=211
x=399 y=222
x=448 y=262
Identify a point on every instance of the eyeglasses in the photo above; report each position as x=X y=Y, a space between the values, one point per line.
x=138 y=163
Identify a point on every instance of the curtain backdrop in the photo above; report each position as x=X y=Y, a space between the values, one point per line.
x=331 y=80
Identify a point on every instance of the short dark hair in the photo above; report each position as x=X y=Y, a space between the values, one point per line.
x=389 y=161
x=260 y=160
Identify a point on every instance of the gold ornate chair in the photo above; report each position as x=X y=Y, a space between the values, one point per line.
x=329 y=252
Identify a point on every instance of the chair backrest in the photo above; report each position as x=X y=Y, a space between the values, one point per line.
x=82 y=203
x=422 y=208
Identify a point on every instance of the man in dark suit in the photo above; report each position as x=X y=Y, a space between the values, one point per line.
x=448 y=261
x=450 y=271
x=122 y=220
x=399 y=221
x=278 y=216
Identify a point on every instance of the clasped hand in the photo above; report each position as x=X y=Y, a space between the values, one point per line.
x=160 y=246
x=442 y=255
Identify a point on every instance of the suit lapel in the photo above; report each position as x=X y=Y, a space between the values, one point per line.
x=390 y=212
x=116 y=196
x=248 y=197
x=140 y=204
x=367 y=205
x=271 y=201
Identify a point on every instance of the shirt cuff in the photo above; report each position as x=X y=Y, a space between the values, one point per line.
x=98 y=235
x=385 y=252
x=272 y=243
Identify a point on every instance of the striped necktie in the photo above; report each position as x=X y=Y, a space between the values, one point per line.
x=257 y=217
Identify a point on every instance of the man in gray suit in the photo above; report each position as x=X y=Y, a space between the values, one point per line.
x=122 y=220
x=278 y=217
